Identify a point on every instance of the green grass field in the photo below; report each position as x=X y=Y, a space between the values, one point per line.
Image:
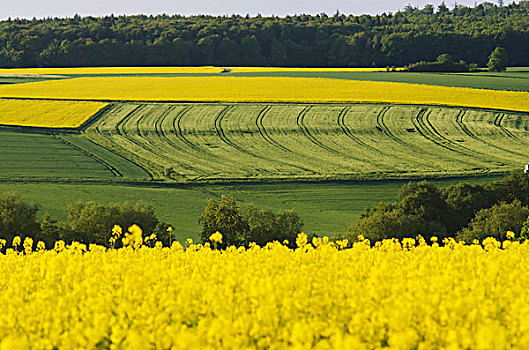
x=41 y=155
x=326 y=208
x=515 y=79
x=278 y=142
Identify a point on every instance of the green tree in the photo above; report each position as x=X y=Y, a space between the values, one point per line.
x=524 y=234
x=223 y=215
x=514 y=186
x=17 y=218
x=495 y=222
x=445 y=59
x=92 y=222
x=49 y=231
x=419 y=209
x=463 y=200
x=242 y=225
x=498 y=60
x=391 y=221
x=267 y=226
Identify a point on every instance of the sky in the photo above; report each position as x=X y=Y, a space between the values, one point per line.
x=68 y=8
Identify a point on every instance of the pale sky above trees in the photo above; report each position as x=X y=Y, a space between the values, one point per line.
x=68 y=8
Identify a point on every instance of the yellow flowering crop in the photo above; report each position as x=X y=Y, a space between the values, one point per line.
x=43 y=113
x=405 y=295
x=268 y=89
x=301 y=69
x=111 y=70
x=216 y=237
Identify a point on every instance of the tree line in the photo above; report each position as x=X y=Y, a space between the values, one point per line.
x=463 y=211
x=94 y=223
x=410 y=35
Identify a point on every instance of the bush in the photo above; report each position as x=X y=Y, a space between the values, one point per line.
x=514 y=186
x=223 y=214
x=423 y=209
x=242 y=225
x=389 y=221
x=463 y=200
x=495 y=222
x=50 y=232
x=17 y=218
x=419 y=209
x=524 y=234
x=92 y=222
x=266 y=226
x=444 y=63
x=498 y=60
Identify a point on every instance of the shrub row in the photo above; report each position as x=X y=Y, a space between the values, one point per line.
x=91 y=222
x=463 y=211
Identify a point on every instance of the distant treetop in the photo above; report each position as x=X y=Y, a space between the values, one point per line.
x=412 y=35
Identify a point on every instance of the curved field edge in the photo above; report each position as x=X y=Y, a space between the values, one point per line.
x=221 y=143
x=269 y=89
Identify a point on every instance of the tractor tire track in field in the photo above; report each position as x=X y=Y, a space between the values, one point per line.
x=264 y=133
x=119 y=125
x=320 y=143
x=112 y=144
x=498 y=123
x=225 y=139
x=177 y=128
x=425 y=128
x=145 y=142
x=381 y=126
x=347 y=132
x=221 y=134
x=109 y=166
x=121 y=130
x=301 y=124
x=431 y=133
x=465 y=151
x=159 y=130
x=460 y=122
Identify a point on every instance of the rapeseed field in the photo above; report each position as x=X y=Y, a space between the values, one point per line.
x=45 y=113
x=267 y=89
x=402 y=295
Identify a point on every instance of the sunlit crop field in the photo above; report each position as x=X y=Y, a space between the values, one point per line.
x=43 y=113
x=402 y=296
x=254 y=141
x=111 y=70
x=269 y=89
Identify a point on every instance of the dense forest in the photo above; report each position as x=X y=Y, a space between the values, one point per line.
x=407 y=36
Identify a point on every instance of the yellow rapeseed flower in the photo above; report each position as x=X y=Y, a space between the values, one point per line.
x=50 y=114
x=216 y=237
x=265 y=89
x=396 y=294
x=301 y=240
